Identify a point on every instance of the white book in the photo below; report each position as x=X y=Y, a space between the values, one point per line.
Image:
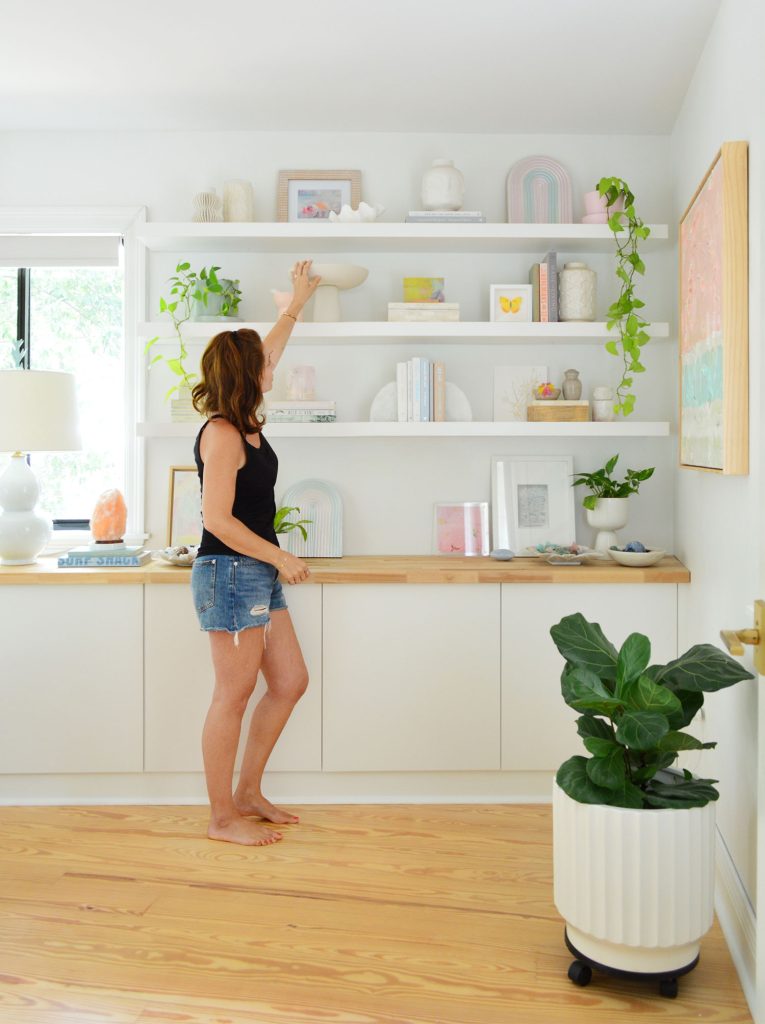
x=425 y=396
x=409 y=390
x=401 y=391
x=431 y=381
x=416 y=411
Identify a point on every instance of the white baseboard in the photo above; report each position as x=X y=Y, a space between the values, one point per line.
x=737 y=920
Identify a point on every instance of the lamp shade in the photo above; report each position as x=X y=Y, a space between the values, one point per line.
x=38 y=412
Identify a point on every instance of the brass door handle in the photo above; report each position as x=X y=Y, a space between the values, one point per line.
x=734 y=639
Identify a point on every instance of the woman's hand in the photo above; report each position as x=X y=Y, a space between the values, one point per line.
x=292 y=568
x=303 y=286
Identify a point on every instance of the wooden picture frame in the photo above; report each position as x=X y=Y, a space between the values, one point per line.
x=184 y=507
x=713 y=307
x=347 y=185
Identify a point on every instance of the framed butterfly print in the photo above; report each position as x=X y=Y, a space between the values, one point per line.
x=510 y=302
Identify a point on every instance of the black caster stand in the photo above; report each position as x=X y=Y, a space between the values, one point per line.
x=580 y=972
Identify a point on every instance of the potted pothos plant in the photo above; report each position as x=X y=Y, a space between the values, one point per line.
x=606 y=503
x=633 y=835
x=624 y=316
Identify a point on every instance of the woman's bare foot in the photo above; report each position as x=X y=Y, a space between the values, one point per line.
x=257 y=804
x=246 y=833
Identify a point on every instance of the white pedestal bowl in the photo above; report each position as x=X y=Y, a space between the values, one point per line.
x=335 y=277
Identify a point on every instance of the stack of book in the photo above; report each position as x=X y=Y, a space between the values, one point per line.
x=107 y=555
x=544 y=289
x=421 y=391
x=445 y=217
x=301 y=411
x=182 y=411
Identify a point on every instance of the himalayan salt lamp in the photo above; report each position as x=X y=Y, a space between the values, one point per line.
x=107 y=524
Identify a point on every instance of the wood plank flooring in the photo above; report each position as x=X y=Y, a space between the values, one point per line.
x=364 y=914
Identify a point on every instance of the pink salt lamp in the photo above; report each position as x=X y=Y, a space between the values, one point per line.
x=107 y=524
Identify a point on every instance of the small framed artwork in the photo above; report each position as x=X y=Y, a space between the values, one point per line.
x=184 y=507
x=510 y=303
x=514 y=389
x=714 y=313
x=461 y=528
x=532 y=501
x=313 y=195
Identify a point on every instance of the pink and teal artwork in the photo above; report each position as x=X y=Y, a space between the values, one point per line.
x=462 y=528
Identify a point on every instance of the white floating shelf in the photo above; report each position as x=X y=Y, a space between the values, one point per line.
x=321 y=236
x=382 y=332
x=452 y=429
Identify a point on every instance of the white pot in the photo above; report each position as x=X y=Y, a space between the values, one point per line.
x=577 y=285
x=608 y=515
x=443 y=187
x=635 y=887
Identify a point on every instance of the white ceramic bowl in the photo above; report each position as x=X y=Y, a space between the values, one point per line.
x=637 y=559
x=341 y=275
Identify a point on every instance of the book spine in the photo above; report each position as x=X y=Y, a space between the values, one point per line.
x=439 y=399
x=416 y=389
x=409 y=390
x=543 y=306
x=534 y=281
x=431 y=392
x=424 y=390
x=401 y=391
x=104 y=560
x=551 y=258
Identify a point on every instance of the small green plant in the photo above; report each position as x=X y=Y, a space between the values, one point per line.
x=283 y=525
x=228 y=290
x=622 y=314
x=632 y=716
x=602 y=485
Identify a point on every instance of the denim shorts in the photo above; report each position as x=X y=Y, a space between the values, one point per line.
x=234 y=592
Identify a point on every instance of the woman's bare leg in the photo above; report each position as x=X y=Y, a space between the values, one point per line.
x=286 y=677
x=236 y=672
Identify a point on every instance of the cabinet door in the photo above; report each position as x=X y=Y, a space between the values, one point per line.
x=71 y=678
x=179 y=684
x=538 y=729
x=411 y=677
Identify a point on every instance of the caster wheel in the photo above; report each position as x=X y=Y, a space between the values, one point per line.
x=579 y=973
x=668 y=988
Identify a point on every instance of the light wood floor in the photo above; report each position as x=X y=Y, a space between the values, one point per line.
x=361 y=915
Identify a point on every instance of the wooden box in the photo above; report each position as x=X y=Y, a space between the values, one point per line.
x=558 y=411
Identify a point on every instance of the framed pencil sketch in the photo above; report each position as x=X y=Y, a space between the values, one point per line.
x=532 y=501
x=461 y=528
x=184 y=507
x=313 y=195
x=714 y=297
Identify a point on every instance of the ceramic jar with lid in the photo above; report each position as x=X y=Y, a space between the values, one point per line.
x=576 y=292
x=443 y=187
x=602 y=404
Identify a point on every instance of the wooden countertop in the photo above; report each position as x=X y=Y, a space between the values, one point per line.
x=374 y=569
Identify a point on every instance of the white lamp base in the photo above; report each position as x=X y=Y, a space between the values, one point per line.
x=23 y=533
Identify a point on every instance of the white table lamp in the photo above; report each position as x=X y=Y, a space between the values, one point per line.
x=38 y=413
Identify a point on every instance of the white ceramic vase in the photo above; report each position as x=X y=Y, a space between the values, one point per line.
x=602 y=404
x=238 y=202
x=207 y=207
x=443 y=187
x=576 y=292
x=23 y=533
x=608 y=515
x=635 y=887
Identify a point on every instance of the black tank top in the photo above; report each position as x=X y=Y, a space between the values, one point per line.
x=254 y=503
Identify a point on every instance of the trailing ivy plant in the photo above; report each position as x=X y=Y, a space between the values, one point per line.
x=602 y=485
x=633 y=715
x=283 y=525
x=623 y=315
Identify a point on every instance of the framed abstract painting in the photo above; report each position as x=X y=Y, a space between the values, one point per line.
x=184 y=507
x=714 y=339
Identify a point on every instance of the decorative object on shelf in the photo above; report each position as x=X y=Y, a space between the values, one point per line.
x=445 y=217
x=313 y=195
x=335 y=277
x=538 y=192
x=513 y=390
x=238 y=201
x=207 y=207
x=301 y=383
x=622 y=314
x=638 y=559
x=602 y=404
x=576 y=292
x=563 y=411
x=595 y=209
x=510 y=303
x=424 y=289
x=572 y=385
x=443 y=187
x=321 y=503
x=423 y=312
x=502 y=554
x=215 y=298
x=39 y=414
x=546 y=392
x=532 y=501
x=182 y=554
x=284 y=525
x=385 y=405
x=108 y=556
x=461 y=528
x=714 y=296
x=606 y=503
x=301 y=411
x=282 y=300
x=543 y=278
x=184 y=507
x=182 y=408
x=632 y=717
x=365 y=214
x=109 y=518
x=566 y=554
x=420 y=392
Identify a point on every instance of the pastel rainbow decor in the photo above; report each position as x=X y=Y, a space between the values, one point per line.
x=320 y=502
x=538 y=192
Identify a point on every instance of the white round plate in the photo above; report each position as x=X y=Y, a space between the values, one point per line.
x=384 y=408
x=182 y=555
x=637 y=558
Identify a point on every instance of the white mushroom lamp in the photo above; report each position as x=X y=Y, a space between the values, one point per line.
x=335 y=277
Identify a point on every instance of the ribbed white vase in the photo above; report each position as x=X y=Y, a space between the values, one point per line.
x=635 y=887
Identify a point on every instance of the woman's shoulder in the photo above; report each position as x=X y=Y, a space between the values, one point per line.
x=219 y=434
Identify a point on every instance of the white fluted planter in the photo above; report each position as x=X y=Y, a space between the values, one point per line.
x=635 y=887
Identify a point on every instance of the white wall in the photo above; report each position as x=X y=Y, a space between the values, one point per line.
x=718 y=520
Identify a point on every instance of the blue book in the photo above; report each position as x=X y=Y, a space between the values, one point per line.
x=416 y=389
x=104 y=561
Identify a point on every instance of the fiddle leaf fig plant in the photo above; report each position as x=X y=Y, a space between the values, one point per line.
x=602 y=485
x=623 y=315
x=632 y=717
x=283 y=525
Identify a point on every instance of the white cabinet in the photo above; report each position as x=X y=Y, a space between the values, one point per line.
x=70 y=682
x=538 y=729
x=179 y=684
x=411 y=677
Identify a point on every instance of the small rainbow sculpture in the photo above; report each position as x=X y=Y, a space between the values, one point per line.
x=538 y=192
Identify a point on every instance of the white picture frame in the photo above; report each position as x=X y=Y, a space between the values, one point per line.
x=510 y=303
x=513 y=390
x=532 y=501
